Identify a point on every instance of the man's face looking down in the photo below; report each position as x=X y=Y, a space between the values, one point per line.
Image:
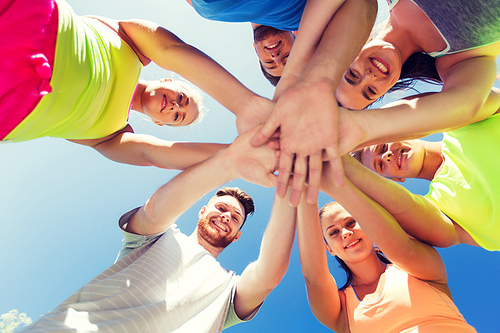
x=273 y=47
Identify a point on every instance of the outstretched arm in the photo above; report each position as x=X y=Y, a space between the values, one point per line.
x=418 y=216
x=306 y=113
x=263 y=275
x=239 y=160
x=171 y=53
x=324 y=298
x=467 y=97
x=413 y=256
x=127 y=147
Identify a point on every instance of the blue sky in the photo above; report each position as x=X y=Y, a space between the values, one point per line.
x=60 y=202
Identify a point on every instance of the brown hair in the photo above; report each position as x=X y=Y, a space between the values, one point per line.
x=245 y=200
x=271 y=78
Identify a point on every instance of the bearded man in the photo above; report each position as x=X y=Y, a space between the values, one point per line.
x=165 y=281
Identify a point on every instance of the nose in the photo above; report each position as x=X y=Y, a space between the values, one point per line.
x=346 y=233
x=174 y=106
x=276 y=56
x=387 y=156
x=226 y=216
x=370 y=74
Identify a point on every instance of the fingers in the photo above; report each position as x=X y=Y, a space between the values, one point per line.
x=315 y=169
x=299 y=177
x=336 y=163
x=274 y=144
x=265 y=133
x=284 y=171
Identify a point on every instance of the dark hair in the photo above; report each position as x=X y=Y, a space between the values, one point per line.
x=342 y=264
x=357 y=155
x=419 y=66
x=347 y=270
x=271 y=78
x=241 y=196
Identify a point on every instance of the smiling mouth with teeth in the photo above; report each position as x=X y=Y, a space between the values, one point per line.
x=220 y=225
x=351 y=244
x=272 y=47
x=163 y=103
x=379 y=66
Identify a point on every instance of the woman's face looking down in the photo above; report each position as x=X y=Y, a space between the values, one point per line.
x=374 y=71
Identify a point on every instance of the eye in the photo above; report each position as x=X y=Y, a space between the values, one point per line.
x=176 y=116
x=351 y=224
x=334 y=233
x=352 y=74
x=380 y=165
x=181 y=97
x=384 y=147
x=371 y=91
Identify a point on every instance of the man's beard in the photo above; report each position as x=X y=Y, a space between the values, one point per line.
x=211 y=236
x=262 y=32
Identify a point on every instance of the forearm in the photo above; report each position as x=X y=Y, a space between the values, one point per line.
x=262 y=276
x=146 y=150
x=322 y=292
x=313 y=257
x=315 y=19
x=171 y=53
x=467 y=97
x=415 y=214
x=341 y=42
x=179 y=194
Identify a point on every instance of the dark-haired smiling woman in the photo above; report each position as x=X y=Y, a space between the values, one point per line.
x=404 y=289
x=460 y=41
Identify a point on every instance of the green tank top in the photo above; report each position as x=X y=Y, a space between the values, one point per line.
x=93 y=81
x=468 y=188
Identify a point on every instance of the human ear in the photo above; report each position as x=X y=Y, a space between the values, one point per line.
x=399 y=179
x=237 y=236
x=202 y=211
x=329 y=249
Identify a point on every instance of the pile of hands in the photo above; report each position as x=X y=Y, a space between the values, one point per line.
x=304 y=127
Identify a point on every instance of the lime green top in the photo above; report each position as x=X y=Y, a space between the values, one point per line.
x=93 y=81
x=468 y=188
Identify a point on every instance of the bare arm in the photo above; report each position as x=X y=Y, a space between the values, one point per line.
x=127 y=147
x=174 y=198
x=324 y=298
x=307 y=112
x=171 y=53
x=263 y=275
x=418 y=216
x=466 y=98
x=313 y=23
x=413 y=256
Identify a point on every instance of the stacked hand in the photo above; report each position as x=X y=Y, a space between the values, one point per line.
x=306 y=115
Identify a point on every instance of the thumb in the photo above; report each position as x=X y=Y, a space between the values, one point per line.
x=265 y=133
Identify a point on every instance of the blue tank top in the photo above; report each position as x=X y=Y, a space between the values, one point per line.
x=283 y=14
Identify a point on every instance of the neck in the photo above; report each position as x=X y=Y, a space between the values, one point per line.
x=214 y=251
x=368 y=271
x=399 y=37
x=433 y=160
x=137 y=99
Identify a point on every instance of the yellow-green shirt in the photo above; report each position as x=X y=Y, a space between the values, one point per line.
x=93 y=81
x=468 y=188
